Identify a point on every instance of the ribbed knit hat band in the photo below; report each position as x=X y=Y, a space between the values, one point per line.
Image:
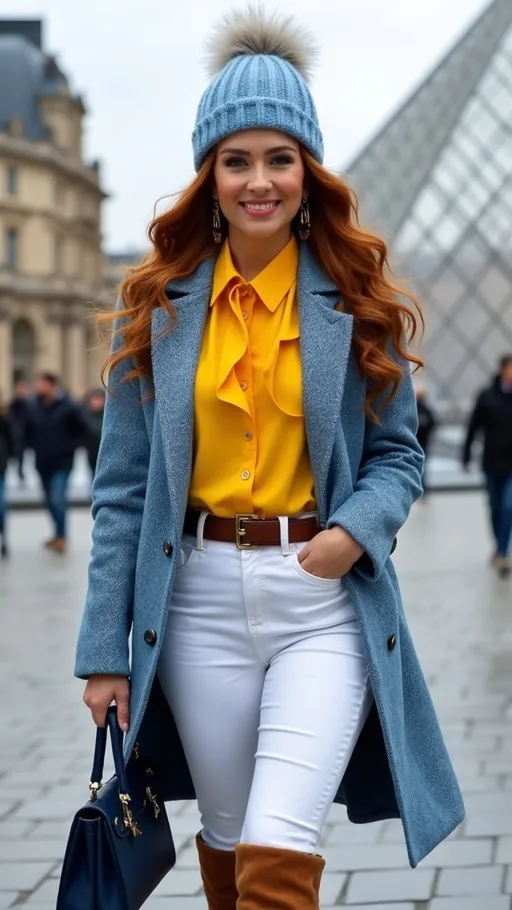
x=256 y=91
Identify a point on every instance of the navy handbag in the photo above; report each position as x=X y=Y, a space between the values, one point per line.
x=120 y=845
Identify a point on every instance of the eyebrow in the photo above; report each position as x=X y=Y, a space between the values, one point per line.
x=272 y=151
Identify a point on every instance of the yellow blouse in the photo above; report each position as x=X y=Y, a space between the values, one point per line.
x=249 y=435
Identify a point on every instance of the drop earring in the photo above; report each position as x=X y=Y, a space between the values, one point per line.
x=305 y=220
x=217 y=226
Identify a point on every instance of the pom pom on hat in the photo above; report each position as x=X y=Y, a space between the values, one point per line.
x=254 y=31
x=259 y=64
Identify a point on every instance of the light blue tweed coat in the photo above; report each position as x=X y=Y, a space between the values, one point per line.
x=367 y=476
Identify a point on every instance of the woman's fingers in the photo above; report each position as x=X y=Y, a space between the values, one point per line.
x=99 y=694
x=122 y=698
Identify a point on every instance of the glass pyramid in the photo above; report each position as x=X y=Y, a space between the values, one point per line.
x=437 y=183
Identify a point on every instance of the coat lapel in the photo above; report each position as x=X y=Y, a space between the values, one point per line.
x=175 y=356
x=325 y=340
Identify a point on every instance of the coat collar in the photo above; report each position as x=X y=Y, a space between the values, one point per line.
x=312 y=276
x=192 y=285
x=325 y=341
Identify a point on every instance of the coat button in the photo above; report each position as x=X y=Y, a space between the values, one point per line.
x=393 y=545
x=391 y=642
x=168 y=547
x=150 y=637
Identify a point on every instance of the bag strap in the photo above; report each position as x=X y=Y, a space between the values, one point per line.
x=116 y=742
x=98 y=761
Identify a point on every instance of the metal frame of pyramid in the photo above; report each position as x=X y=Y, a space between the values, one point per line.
x=437 y=183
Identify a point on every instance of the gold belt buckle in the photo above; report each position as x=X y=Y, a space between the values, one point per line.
x=240 y=531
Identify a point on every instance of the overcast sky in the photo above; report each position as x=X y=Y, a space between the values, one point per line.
x=138 y=66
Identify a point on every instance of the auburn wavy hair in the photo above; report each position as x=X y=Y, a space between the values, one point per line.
x=386 y=316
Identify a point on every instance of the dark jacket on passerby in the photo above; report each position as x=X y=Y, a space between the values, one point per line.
x=492 y=415
x=7 y=442
x=54 y=431
x=426 y=424
x=18 y=410
x=94 y=424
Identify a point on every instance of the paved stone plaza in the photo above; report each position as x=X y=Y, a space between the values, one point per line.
x=461 y=617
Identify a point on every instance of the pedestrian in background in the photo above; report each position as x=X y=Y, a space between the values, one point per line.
x=492 y=419
x=94 y=408
x=259 y=455
x=7 y=451
x=55 y=427
x=18 y=411
x=426 y=425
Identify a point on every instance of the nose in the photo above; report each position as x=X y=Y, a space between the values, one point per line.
x=259 y=181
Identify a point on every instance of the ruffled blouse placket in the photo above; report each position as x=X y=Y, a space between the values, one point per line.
x=234 y=367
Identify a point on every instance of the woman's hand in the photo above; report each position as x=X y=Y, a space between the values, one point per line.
x=101 y=691
x=331 y=554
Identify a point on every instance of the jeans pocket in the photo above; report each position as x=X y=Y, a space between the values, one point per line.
x=315 y=579
x=187 y=553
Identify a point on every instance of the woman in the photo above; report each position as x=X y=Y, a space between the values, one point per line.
x=7 y=451
x=258 y=458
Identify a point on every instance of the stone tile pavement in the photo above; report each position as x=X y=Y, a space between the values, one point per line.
x=461 y=617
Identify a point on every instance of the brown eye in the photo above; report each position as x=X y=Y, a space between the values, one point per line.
x=234 y=162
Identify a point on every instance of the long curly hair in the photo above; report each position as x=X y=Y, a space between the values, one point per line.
x=386 y=316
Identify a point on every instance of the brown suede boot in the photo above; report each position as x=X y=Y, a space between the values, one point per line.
x=218 y=874
x=269 y=878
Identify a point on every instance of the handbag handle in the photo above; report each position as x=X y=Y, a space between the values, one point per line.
x=116 y=742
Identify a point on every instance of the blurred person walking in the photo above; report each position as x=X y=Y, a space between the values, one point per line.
x=18 y=411
x=492 y=419
x=7 y=451
x=426 y=425
x=94 y=408
x=54 y=429
x=258 y=457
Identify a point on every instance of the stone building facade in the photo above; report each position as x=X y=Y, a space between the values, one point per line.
x=52 y=270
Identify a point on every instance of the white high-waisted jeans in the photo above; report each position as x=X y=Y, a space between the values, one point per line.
x=264 y=670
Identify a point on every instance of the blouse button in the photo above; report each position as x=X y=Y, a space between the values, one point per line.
x=245 y=475
x=248 y=435
x=243 y=386
x=244 y=314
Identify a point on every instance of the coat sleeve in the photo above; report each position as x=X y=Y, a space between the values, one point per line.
x=76 y=424
x=388 y=482
x=118 y=495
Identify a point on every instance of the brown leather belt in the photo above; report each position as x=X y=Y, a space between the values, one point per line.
x=249 y=531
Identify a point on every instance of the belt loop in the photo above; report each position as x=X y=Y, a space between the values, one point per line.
x=285 y=538
x=200 y=529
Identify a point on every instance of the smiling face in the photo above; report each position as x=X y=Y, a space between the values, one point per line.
x=259 y=182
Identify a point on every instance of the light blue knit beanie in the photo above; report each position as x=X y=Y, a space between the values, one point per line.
x=260 y=66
